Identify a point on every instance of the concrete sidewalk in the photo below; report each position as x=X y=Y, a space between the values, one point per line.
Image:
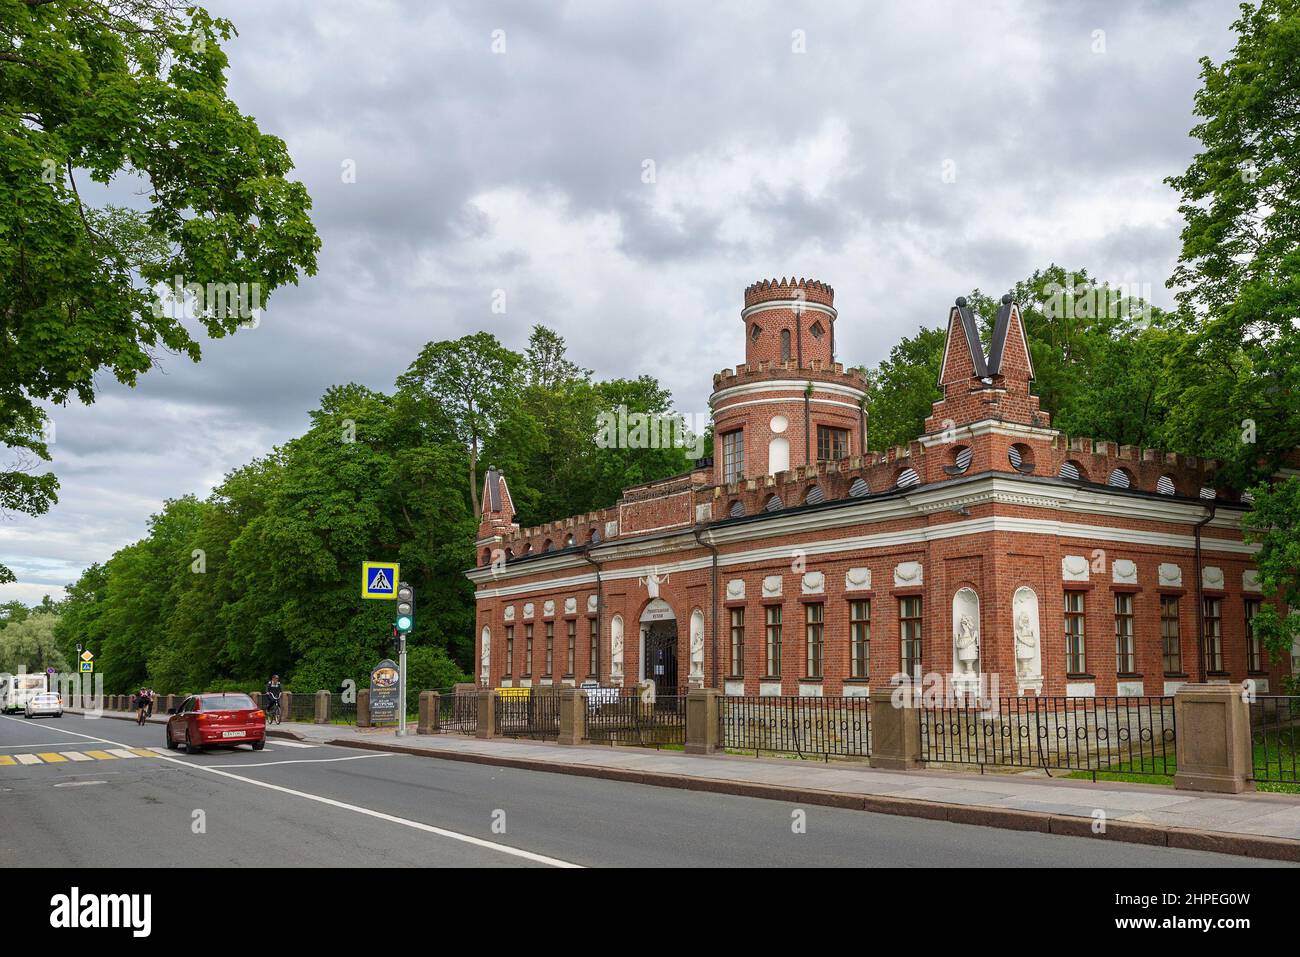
x=1254 y=825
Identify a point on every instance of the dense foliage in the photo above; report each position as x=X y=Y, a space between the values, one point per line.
x=263 y=575
x=131 y=94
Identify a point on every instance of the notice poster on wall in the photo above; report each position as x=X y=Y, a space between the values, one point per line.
x=384 y=692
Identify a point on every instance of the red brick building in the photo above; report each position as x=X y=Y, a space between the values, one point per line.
x=799 y=563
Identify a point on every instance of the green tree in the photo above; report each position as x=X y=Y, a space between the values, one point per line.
x=464 y=387
x=30 y=646
x=130 y=93
x=901 y=389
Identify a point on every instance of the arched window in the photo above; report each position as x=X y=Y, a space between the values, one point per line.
x=1021 y=458
x=1208 y=492
x=568 y=540
x=1120 y=478
x=859 y=488
x=960 y=460
x=907 y=478
x=785 y=345
x=595 y=536
x=814 y=496
x=737 y=509
x=1072 y=471
x=774 y=504
x=755 y=331
x=1165 y=485
x=547 y=545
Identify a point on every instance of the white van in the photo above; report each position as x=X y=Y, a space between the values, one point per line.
x=15 y=690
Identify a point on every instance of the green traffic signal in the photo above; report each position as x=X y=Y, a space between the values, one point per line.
x=405 y=607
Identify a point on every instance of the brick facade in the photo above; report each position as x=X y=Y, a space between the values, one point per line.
x=986 y=500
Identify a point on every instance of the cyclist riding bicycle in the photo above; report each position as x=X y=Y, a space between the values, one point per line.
x=141 y=706
x=150 y=697
x=273 y=691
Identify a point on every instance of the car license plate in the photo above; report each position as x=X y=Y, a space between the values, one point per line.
x=233 y=734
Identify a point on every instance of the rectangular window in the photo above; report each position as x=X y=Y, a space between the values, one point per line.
x=1170 y=636
x=573 y=647
x=593 y=653
x=774 y=641
x=528 y=650
x=1214 y=635
x=510 y=650
x=1254 y=647
x=737 y=642
x=1125 y=657
x=814 y=615
x=832 y=443
x=1076 y=656
x=909 y=633
x=860 y=638
x=733 y=456
x=550 y=647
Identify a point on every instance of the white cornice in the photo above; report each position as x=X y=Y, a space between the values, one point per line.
x=986 y=427
x=740 y=405
x=770 y=304
x=774 y=385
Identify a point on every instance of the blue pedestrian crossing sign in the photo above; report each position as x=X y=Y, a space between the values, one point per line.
x=379 y=579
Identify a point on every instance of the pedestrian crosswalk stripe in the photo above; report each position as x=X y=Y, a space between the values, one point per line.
x=159 y=750
x=76 y=756
x=28 y=759
x=121 y=753
x=143 y=752
x=281 y=743
x=5 y=760
x=102 y=756
x=49 y=757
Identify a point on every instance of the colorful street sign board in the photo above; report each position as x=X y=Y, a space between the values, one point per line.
x=384 y=692
x=379 y=580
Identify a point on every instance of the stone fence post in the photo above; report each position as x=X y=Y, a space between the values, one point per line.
x=702 y=721
x=895 y=731
x=286 y=705
x=363 y=708
x=573 y=716
x=487 y=715
x=323 y=702
x=1213 y=739
x=428 y=713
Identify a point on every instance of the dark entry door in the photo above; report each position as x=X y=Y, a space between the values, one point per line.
x=661 y=655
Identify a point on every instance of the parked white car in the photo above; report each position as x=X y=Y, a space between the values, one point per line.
x=46 y=703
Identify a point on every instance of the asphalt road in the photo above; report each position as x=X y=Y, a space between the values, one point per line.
x=67 y=800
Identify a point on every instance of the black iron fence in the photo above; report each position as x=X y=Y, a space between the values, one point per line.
x=527 y=715
x=1128 y=735
x=457 y=713
x=343 y=712
x=300 y=707
x=628 y=718
x=1275 y=738
x=786 y=724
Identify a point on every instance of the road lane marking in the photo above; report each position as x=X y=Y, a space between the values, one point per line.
x=143 y=752
x=272 y=764
x=43 y=744
x=282 y=743
x=365 y=811
x=101 y=755
x=76 y=756
x=6 y=759
x=49 y=757
x=122 y=753
x=78 y=784
x=28 y=759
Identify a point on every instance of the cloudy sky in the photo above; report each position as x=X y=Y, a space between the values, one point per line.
x=904 y=153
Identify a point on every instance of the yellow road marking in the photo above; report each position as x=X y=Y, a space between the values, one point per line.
x=144 y=752
x=5 y=759
x=49 y=757
x=102 y=755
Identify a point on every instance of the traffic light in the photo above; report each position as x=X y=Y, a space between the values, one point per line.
x=405 y=608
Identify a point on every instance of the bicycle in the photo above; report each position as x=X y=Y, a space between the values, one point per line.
x=141 y=714
x=273 y=712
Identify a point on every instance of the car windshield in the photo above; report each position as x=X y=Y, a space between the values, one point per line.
x=225 y=702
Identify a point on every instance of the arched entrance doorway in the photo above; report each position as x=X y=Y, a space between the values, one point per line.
x=659 y=645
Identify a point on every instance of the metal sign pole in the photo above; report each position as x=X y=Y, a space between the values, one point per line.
x=401 y=685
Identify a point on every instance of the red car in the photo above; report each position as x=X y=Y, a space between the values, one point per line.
x=217 y=717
